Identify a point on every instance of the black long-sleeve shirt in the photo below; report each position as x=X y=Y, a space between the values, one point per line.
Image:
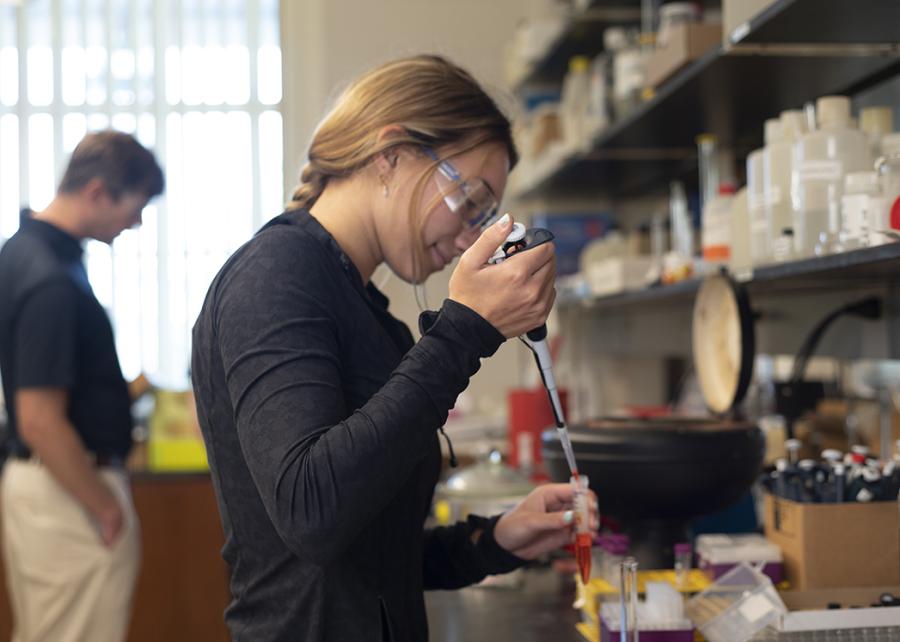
x=320 y=416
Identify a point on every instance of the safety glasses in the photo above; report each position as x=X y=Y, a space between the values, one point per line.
x=471 y=199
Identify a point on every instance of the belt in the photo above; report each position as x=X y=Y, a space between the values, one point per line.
x=99 y=460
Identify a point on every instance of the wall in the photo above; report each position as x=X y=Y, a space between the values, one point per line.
x=326 y=43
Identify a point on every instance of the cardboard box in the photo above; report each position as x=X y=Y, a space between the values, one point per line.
x=686 y=43
x=835 y=545
x=736 y=12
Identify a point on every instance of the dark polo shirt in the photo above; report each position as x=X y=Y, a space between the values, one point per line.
x=55 y=334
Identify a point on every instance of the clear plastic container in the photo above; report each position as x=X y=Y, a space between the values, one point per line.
x=737 y=606
x=673 y=14
x=887 y=217
x=860 y=190
x=778 y=163
x=821 y=160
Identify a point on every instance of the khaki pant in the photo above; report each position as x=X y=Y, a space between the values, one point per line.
x=64 y=584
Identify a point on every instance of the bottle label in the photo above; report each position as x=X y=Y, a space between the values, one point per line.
x=773 y=195
x=825 y=170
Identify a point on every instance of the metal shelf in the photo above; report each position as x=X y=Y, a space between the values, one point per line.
x=826 y=22
x=856 y=269
x=729 y=92
x=582 y=37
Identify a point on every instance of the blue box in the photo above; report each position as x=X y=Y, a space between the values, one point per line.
x=572 y=231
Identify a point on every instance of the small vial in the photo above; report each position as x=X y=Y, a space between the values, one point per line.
x=683 y=562
x=583 y=537
x=793 y=448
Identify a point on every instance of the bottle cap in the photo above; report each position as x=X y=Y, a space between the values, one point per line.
x=876 y=121
x=858 y=458
x=832 y=455
x=773 y=131
x=807 y=464
x=859 y=449
x=579 y=63
x=861 y=182
x=781 y=465
x=727 y=189
x=793 y=124
x=682 y=547
x=833 y=111
x=792 y=444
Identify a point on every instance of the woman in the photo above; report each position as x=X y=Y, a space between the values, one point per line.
x=320 y=413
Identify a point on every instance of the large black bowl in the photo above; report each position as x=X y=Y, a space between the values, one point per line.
x=667 y=469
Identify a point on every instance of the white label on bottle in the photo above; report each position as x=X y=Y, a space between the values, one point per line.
x=825 y=170
x=855 y=207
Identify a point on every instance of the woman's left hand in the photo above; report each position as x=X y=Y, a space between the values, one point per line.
x=541 y=522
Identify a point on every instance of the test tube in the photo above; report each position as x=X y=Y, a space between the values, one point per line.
x=628 y=626
x=683 y=563
x=583 y=537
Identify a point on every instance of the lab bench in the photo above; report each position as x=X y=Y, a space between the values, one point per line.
x=538 y=610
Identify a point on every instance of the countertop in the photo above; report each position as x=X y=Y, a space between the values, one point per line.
x=538 y=611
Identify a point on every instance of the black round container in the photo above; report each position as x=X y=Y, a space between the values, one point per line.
x=655 y=475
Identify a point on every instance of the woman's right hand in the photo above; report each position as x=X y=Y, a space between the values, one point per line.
x=514 y=296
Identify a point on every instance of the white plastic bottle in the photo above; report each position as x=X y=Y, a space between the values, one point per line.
x=574 y=102
x=821 y=160
x=885 y=216
x=716 y=237
x=876 y=123
x=861 y=192
x=760 y=237
x=740 y=263
x=778 y=163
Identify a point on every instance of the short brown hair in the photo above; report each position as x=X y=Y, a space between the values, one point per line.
x=122 y=163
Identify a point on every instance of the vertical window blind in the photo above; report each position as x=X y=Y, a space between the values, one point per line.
x=199 y=82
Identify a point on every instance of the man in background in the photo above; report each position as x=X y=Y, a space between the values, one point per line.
x=71 y=540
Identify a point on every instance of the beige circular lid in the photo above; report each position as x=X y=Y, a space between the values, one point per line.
x=723 y=345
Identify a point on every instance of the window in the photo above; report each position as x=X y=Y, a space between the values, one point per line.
x=199 y=82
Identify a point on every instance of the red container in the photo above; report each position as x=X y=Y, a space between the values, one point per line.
x=530 y=413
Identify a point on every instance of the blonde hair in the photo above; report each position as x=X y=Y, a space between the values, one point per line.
x=435 y=102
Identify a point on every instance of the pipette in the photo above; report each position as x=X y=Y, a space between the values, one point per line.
x=519 y=240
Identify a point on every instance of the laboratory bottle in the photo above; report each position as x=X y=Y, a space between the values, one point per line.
x=876 y=123
x=778 y=162
x=716 y=236
x=821 y=160
x=760 y=236
x=887 y=217
x=598 y=94
x=861 y=189
x=683 y=563
x=574 y=102
x=740 y=262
